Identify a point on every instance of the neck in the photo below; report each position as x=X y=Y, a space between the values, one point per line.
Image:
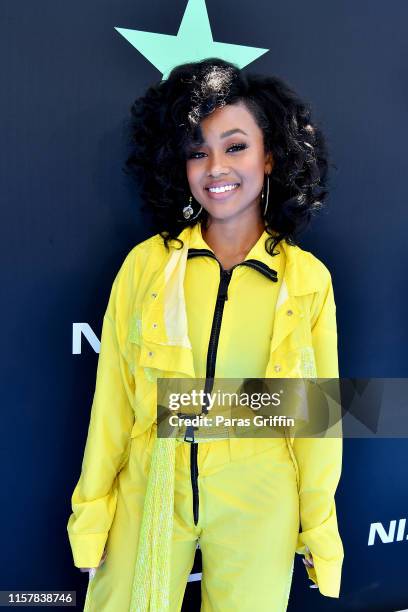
x=232 y=239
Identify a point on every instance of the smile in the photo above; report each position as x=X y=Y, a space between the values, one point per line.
x=220 y=193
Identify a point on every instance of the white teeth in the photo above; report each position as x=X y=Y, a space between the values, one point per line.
x=223 y=189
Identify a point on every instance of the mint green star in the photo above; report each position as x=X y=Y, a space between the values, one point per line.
x=194 y=42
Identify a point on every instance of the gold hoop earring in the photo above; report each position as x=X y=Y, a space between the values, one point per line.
x=267 y=195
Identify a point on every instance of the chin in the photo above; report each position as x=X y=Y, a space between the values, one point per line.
x=224 y=211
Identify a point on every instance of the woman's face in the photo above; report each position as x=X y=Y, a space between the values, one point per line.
x=232 y=153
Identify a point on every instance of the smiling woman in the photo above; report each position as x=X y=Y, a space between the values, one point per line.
x=232 y=167
x=223 y=168
x=226 y=178
x=212 y=114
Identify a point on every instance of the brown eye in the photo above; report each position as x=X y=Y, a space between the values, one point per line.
x=193 y=155
x=234 y=147
x=238 y=147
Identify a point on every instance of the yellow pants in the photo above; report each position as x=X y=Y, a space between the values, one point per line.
x=247 y=527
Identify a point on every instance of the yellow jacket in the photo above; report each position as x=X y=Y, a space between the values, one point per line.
x=144 y=336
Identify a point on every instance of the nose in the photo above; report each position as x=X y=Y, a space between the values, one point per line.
x=217 y=165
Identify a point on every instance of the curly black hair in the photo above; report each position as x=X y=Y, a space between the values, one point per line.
x=166 y=118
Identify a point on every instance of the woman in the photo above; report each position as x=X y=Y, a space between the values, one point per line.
x=232 y=167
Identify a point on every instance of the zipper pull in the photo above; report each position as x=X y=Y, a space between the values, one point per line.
x=189 y=435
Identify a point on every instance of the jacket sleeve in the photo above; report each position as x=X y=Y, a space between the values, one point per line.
x=111 y=420
x=319 y=460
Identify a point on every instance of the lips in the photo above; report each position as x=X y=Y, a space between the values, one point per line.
x=222 y=195
x=217 y=185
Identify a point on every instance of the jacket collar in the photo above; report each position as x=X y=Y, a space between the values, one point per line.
x=164 y=316
x=300 y=275
x=257 y=258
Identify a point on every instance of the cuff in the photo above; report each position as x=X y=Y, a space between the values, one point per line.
x=328 y=555
x=87 y=550
x=327 y=575
x=324 y=543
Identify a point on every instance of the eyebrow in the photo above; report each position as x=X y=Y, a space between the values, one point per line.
x=201 y=141
x=233 y=131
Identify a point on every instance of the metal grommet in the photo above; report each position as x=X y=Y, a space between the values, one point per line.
x=289 y=312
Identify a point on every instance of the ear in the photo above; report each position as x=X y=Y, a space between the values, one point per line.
x=269 y=163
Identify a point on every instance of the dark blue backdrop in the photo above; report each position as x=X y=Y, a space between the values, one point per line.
x=70 y=216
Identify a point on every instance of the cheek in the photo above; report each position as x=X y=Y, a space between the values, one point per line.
x=192 y=174
x=194 y=178
x=253 y=176
x=254 y=166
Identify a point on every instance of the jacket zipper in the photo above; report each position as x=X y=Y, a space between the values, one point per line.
x=222 y=296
